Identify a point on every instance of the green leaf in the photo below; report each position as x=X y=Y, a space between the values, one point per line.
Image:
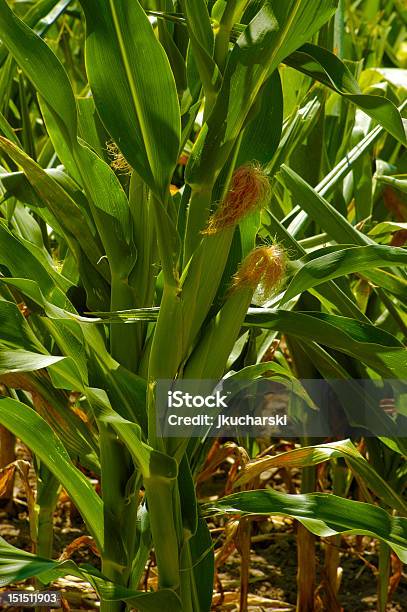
x=202 y=45
x=280 y=373
x=152 y=463
x=320 y=266
x=40 y=17
x=134 y=88
x=63 y=207
x=18 y=565
x=352 y=395
x=110 y=208
x=39 y=437
x=203 y=561
x=15 y=331
x=42 y=20
x=61 y=144
x=314 y=455
x=7 y=130
x=85 y=345
x=24 y=361
x=397 y=181
x=41 y=66
x=387 y=227
x=382 y=351
x=322 y=514
x=321 y=211
x=324 y=66
x=25 y=260
x=262 y=135
x=199 y=24
x=335 y=225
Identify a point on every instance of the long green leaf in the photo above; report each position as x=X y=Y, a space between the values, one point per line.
x=324 y=66
x=323 y=514
x=314 y=455
x=40 y=17
x=202 y=45
x=19 y=360
x=63 y=207
x=321 y=266
x=275 y=32
x=25 y=260
x=319 y=209
x=365 y=342
x=18 y=565
x=39 y=437
x=15 y=331
x=138 y=105
x=33 y=55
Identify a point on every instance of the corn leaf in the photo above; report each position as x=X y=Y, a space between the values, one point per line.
x=377 y=348
x=139 y=107
x=322 y=514
x=319 y=209
x=39 y=17
x=110 y=210
x=26 y=260
x=324 y=66
x=321 y=266
x=15 y=331
x=336 y=226
x=262 y=135
x=352 y=396
x=41 y=66
x=314 y=455
x=19 y=360
x=202 y=43
x=63 y=207
x=17 y=565
x=37 y=434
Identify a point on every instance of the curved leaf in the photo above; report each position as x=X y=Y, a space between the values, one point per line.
x=27 y=425
x=18 y=565
x=24 y=361
x=335 y=225
x=320 y=266
x=41 y=65
x=324 y=66
x=262 y=135
x=276 y=31
x=314 y=455
x=25 y=260
x=365 y=342
x=15 y=331
x=322 y=514
x=67 y=212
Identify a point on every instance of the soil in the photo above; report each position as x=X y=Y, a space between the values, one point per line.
x=273 y=576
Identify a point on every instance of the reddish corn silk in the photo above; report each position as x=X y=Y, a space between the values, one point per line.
x=249 y=189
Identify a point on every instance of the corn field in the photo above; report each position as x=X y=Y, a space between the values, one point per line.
x=201 y=194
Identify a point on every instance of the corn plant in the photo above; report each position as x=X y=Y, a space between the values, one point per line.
x=178 y=262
